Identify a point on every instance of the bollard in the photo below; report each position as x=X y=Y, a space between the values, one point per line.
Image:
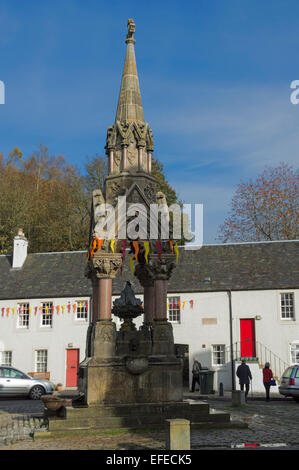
x=238 y=398
x=177 y=434
x=221 y=393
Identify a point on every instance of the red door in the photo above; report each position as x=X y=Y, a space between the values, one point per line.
x=247 y=334
x=72 y=363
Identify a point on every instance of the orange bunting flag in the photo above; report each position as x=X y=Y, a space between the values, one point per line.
x=136 y=248
x=95 y=246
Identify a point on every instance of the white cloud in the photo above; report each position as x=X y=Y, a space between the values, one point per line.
x=250 y=125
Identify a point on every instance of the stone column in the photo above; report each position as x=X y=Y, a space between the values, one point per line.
x=111 y=157
x=163 y=342
x=149 y=162
x=101 y=299
x=104 y=299
x=102 y=268
x=140 y=158
x=124 y=157
x=160 y=299
x=144 y=274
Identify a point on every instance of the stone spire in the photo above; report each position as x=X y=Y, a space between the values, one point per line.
x=129 y=143
x=129 y=106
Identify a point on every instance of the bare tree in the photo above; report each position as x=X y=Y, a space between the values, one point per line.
x=264 y=209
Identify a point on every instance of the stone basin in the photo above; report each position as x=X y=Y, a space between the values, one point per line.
x=53 y=403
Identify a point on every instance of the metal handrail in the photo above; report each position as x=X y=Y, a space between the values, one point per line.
x=262 y=355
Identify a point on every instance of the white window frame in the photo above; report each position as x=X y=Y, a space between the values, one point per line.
x=23 y=315
x=294 y=352
x=41 y=360
x=174 y=314
x=47 y=317
x=6 y=358
x=289 y=308
x=218 y=350
x=82 y=310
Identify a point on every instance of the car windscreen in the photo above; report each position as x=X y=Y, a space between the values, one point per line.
x=287 y=372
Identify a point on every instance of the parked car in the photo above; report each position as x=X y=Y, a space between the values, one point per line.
x=289 y=382
x=15 y=383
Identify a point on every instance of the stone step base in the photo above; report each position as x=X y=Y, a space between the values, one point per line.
x=135 y=416
x=140 y=409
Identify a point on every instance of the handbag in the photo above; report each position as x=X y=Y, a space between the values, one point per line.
x=272 y=382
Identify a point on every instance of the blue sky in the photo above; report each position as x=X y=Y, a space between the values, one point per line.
x=214 y=75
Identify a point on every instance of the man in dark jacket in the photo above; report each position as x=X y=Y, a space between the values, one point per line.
x=244 y=374
x=195 y=372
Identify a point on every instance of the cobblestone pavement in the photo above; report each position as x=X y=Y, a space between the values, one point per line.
x=274 y=425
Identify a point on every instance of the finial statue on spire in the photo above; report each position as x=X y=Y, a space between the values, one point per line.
x=131 y=29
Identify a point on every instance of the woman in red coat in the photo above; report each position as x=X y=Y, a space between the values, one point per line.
x=267 y=376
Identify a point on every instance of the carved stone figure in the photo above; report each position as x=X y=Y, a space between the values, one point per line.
x=131 y=28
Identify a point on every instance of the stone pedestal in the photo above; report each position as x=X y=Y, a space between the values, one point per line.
x=133 y=380
x=163 y=341
x=104 y=340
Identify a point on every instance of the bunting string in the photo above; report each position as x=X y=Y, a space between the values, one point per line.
x=44 y=309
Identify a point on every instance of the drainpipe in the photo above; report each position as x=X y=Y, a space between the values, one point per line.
x=231 y=340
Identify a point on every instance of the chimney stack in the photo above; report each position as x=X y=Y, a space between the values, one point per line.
x=20 y=246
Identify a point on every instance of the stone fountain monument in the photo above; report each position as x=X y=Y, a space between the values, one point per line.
x=116 y=357
x=129 y=377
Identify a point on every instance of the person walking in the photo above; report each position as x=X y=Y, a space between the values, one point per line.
x=244 y=375
x=267 y=376
x=195 y=373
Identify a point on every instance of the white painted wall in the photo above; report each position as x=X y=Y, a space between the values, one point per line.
x=271 y=331
x=23 y=342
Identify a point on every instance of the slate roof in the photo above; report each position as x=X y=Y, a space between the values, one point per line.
x=248 y=266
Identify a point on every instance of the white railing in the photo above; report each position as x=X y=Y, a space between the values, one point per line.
x=253 y=351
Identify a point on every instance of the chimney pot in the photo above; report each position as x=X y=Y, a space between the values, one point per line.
x=20 y=246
